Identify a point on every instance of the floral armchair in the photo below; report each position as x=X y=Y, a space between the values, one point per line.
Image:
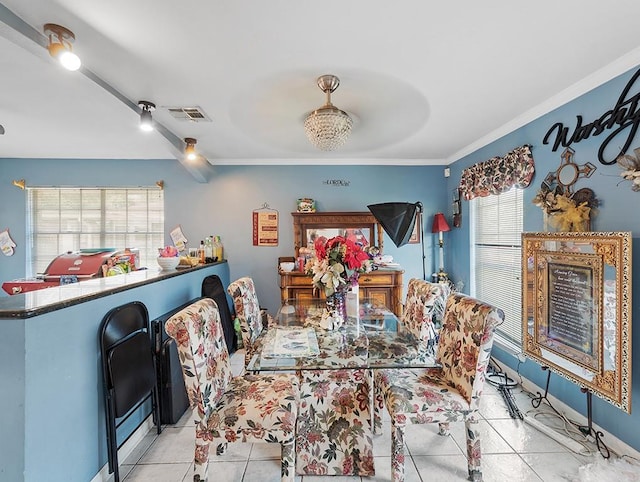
x=450 y=393
x=423 y=299
x=249 y=408
x=245 y=301
x=422 y=303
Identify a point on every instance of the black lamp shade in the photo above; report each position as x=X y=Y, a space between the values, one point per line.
x=397 y=219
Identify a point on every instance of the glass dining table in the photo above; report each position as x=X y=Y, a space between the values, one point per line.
x=335 y=367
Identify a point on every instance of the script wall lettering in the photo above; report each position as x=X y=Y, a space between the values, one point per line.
x=624 y=116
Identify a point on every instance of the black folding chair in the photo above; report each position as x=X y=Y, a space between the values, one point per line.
x=212 y=288
x=128 y=367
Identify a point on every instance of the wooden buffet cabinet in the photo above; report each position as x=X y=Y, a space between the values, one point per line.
x=383 y=285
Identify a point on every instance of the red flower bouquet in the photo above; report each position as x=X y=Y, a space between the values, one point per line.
x=337 y=264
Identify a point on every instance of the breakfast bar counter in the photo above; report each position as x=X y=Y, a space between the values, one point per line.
x=51 y=374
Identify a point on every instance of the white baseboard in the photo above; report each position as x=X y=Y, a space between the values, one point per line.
x=613 y=443
x=127 y=448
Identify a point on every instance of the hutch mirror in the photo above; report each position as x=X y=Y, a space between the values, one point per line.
x=362 y=227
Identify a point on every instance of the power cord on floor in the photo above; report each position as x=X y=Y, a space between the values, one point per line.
x=569 y=428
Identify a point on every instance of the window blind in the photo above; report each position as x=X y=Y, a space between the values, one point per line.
x=68 y=219
x=496 y=230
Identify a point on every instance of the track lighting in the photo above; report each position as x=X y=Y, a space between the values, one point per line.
x=190 y=150
x=146 y=121
x=60 y=40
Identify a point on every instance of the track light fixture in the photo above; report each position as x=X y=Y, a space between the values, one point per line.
x=190 y=150
x=60 y=40
x=146 y=121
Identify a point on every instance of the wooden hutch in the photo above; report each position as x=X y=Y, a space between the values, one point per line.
x=382 y=285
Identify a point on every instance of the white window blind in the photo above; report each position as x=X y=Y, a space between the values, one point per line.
x=69 y=219
x=496 y=226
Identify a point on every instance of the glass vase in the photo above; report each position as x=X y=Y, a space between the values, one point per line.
x=337 y=307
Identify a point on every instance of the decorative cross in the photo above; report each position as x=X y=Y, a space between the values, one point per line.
x=568 y=173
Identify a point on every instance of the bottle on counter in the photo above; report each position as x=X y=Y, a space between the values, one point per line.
x=208 y=250
x=201 y=252
x=218 y=249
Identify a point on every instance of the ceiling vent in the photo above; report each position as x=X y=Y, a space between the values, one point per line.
x=193 y=114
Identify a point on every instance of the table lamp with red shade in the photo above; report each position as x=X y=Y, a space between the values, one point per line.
x=439 y=226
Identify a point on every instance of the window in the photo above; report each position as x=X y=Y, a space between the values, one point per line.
x=68 y=219
x=496 y=227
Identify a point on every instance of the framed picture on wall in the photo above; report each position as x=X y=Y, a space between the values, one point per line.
x=576 y=316
x=415 y=234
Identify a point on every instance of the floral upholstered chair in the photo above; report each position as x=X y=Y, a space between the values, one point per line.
x=450 y=393
x=421 y=304
x=420 y=307
x=249 y=408
x=245 y=301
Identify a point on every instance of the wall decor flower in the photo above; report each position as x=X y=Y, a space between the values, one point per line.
x=567 y=212
x=337 y=264
x=631 y=168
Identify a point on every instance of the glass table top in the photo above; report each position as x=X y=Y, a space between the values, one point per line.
x=374 y=339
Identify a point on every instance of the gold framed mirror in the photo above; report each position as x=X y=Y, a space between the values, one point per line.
x=359 y=226
x=576 y=309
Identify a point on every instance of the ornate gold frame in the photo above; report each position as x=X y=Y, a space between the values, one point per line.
x=576 y=309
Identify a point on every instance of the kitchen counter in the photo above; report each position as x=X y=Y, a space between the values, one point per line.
x=52 y=409
x=37 y=302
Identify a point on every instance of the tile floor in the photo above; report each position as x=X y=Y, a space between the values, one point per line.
x=512 y=451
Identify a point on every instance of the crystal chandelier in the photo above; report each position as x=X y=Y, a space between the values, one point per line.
x=328 y=127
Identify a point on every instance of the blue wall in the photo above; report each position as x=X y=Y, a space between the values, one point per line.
x=224 y=205
x=617 y=212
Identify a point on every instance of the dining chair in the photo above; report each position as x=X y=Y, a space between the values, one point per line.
x=450 y=393
x=423 y=300
x=249 y=313
x=247 y=408
x=421 y=305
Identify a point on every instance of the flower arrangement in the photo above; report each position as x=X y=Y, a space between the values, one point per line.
x=168 y=252
x=631 y=169
x=567 y=213
x=337 y=264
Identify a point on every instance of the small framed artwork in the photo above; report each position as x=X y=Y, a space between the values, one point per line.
x=415 y=234
x=456 y=207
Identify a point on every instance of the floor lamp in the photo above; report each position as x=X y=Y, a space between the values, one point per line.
x=398 y=221
x=440 y=226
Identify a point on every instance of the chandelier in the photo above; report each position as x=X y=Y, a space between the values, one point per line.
x=328 y=127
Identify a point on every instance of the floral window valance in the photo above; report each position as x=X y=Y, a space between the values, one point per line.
x=498 y=174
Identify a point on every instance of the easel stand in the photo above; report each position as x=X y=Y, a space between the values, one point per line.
x=504 y=384
x=587 y=430
x=536 y=401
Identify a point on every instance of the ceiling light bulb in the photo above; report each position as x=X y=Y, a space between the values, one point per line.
x=60 y=39
x=190 y=150
x=146 y=121
x=69 y=60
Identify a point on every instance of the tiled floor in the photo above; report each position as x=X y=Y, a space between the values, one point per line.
x=512 y=451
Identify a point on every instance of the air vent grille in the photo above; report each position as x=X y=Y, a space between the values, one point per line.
x=193 y=114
